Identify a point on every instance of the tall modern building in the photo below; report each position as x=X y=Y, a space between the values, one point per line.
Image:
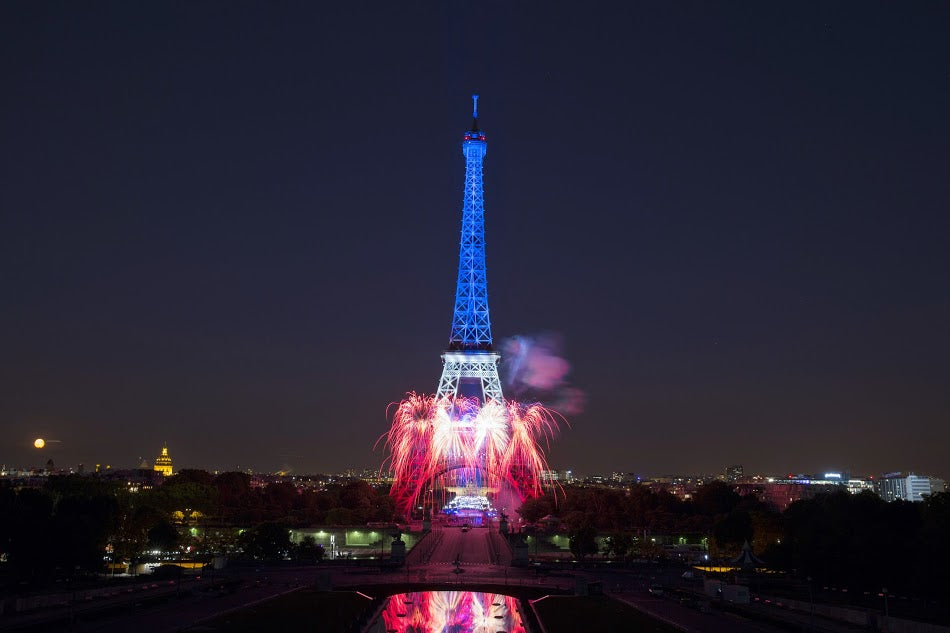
x=906 y=487
x=733 y=473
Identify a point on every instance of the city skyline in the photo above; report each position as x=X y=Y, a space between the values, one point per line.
x=226 y=234
x=144 y=462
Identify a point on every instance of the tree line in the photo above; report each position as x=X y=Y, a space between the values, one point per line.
x=74 y=523
x=858 y=541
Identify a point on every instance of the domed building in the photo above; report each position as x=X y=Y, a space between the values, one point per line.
x=163 y=463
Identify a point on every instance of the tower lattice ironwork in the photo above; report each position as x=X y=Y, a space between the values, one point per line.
x=470 y=364
x=467 y=447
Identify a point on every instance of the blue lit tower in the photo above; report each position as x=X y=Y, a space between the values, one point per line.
x=470 y=366
x=468 y=450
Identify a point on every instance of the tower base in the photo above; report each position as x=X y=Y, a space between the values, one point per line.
x=461 y=365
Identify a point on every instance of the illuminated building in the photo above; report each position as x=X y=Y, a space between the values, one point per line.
x=470 y=366
x=907 y=487
x=733 y=473
x=163 y=463
x=857 y=486
x=781 y=494
x=468 y=441
x=470 y=358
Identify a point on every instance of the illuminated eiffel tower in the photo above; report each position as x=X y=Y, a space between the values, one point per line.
x=467 y=449
x=470 y=366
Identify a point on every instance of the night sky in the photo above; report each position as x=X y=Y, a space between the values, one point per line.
x=233 y=226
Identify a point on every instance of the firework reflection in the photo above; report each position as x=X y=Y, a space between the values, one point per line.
x=452 y=612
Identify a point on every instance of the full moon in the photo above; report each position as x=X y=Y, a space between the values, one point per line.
x=39 y=443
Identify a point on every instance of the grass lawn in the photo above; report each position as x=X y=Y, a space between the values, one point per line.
x=569 y=614
x=304 y=611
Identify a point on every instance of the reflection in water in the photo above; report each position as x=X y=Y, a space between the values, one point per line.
x=452 y=612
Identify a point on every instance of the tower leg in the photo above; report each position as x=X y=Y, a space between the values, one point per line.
x=482 y=366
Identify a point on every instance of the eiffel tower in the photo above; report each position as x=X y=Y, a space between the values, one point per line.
x=466 y=448
x=470 y=366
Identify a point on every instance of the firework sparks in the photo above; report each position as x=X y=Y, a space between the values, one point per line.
x=437 y=444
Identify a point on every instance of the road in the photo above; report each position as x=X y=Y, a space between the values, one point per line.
x=469 y=548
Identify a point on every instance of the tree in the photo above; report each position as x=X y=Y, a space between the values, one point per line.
x=191 y=475
x=309 y=550
x=767 y=529
x=535 y=508
x=237 y=503
x=639 y=501
x=8 y=498
x=715 y=499
x=384 y=509
x=732 y=531
x=163 y=536
x=360 y=498
x=279 y=500
x=583 y=541
x=933 y=556
x=30 y=535
x=618 y=545
x=267 y=541
x=84 y=526
x=341 y=516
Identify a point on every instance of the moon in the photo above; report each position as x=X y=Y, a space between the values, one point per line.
x=39 y=442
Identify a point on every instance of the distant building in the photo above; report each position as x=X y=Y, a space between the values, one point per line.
x=163 y=463
x=733 y=473
x=857 y=486
x=781 y=494
x=907 y=486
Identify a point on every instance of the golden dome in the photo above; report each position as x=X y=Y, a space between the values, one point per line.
x=163 y=463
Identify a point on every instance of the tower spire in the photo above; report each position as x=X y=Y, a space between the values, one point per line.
x=470 y=342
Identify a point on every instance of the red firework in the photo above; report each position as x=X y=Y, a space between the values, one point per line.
x=432 y=441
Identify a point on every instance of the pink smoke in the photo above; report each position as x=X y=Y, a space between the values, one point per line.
x=536 y=365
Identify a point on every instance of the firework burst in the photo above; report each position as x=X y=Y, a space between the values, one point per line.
x=454 y=443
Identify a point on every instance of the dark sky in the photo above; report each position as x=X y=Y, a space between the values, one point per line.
x=233 y=226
